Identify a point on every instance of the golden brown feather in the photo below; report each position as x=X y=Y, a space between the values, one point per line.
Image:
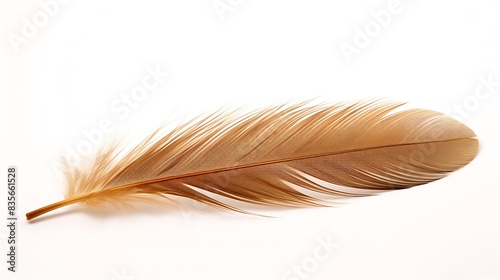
x=272 y=156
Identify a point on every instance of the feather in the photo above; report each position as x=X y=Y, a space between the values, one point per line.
x=278 y=156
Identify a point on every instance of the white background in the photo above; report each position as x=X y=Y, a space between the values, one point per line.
x=63 y=77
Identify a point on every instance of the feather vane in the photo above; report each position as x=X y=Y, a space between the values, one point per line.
x=275 y=155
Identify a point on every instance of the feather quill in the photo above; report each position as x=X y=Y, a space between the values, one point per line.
x=278 y=156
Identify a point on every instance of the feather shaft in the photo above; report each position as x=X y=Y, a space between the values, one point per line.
x=256 y=157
